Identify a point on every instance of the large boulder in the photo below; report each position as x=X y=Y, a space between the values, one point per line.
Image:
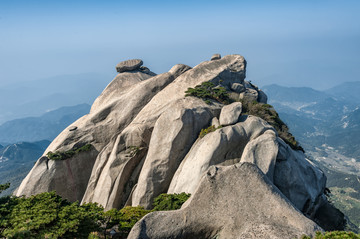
x=129 y=65
x=230 y=113
x=174 y=133
x=97 y=128
x=236 y=201
x=262 y=152
x=222 y=147
x=139 y=133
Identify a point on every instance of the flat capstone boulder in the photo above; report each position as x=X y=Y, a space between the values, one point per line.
x=215 y=57
x=129 y=65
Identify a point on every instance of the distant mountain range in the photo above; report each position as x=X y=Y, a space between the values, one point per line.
x=319 y=118
x=45 y=127
x=34 y=98
x=17 y=159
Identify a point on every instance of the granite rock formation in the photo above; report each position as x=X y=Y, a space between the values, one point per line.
x=144 y=137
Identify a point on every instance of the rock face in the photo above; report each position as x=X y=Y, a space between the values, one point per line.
x=145 y=140
x=215 y=57
x=128 y=65
x=230 y=113
x=236 y=201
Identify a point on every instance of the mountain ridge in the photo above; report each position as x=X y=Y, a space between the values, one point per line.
x=145 y=131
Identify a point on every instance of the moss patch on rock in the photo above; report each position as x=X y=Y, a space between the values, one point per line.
x=209 y=129
x=68 y=154
x=269 y=114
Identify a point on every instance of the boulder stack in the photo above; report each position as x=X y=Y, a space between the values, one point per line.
x=148 y=138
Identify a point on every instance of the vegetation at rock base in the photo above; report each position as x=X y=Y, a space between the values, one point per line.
x=209 y=129
x=68 y=154
x=208 y=91
x=268 y=113
x=125 y=218
x=47 y=215
x=3 y=187
x=333 y=235
x=165 y=202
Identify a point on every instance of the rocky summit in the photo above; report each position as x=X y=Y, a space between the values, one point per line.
x=198 y=130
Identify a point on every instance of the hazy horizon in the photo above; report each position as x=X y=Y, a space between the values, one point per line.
x=306 y=43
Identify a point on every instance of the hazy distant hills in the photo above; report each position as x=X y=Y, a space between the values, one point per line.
x=348 y=91
x=321 y=117
x=34 y=98
x=45 y=127
x=17 y=159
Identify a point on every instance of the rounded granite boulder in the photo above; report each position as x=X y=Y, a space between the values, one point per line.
x=129 y=65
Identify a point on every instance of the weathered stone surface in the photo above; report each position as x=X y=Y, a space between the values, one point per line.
x=262 y=152
x=72 y=128
x=298 y=179
x=248 y=85
x=67 y=177
x=249 y=94
x=174 y=133
x=114 y=156
x=96 y=128
x=237 y=87
x=230 y=113
x=144 y=133
x=215 y=122
x=138 y=133
x=215 y=57
x=118 y=87
x=262 y=97
x=128 y=65
x=263 y=211
x=222 y=147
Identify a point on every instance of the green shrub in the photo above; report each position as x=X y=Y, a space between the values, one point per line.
x=268 y=113
x=3 y=187
x=204 y=132
x=128 y=216
x=208 y=91
x=68 y=154
x=165 y=202
x=47 y=215
x=209 y=129
x=334 y=235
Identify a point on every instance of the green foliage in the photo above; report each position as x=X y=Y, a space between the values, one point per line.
x=209 y=129
x=125 y=218
x=204 y=132
x=3 y=187
x=208 y=91
x=268 y=113
x=165 y=202
x=333 y=235
x=129 y=216
x=47 y=215
x=134 y=150
x=68 y=154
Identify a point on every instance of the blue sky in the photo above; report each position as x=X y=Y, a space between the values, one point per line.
x=292 y=43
